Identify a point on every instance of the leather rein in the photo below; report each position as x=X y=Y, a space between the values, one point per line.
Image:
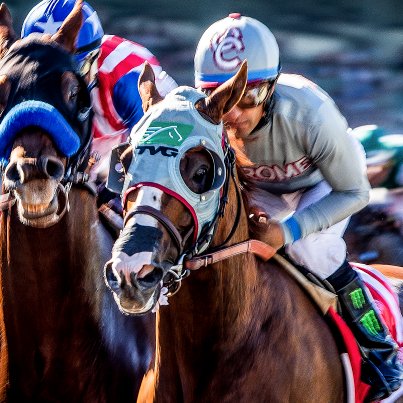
x=258 y=248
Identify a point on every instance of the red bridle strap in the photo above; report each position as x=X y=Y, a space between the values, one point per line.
x=258 y=248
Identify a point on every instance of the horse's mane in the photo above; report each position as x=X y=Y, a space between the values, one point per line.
x=245 y=185
x=241 y=157
x=247 y=188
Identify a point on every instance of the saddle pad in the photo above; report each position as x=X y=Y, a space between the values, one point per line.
x=387 y=303
x=386 y=300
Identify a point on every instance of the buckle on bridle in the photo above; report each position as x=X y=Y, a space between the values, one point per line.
x=174 y=277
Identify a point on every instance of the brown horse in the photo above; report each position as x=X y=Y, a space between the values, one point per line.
x=66 y=339
x=239 y=329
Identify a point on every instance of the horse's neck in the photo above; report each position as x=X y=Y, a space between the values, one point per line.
x=235 y=328
x=225 y=288
x=51 y=269
x=223 y=285
x=57 y=310
x=228 y=329
x=243 y=346
x=217 y=304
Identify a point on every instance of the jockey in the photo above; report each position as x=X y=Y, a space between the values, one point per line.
x=309 y=173
x=384 y=153
x=111 y=66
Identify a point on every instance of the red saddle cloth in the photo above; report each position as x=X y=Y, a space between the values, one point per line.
x=387 y=303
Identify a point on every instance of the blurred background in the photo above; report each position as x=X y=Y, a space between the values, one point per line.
x=353 y=50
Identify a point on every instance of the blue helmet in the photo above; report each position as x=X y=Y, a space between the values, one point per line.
x=48 y=15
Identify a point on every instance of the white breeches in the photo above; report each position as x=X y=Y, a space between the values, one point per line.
x=321 y=252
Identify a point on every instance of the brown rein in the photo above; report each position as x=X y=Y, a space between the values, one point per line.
x=258 y=248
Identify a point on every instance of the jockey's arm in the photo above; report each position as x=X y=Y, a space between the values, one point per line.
x=341 y=160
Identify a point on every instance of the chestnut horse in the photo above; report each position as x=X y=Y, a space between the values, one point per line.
x=239 y=329
x=66 y=339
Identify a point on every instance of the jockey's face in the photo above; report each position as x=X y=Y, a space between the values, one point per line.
x=240 y=122
x=243 y=118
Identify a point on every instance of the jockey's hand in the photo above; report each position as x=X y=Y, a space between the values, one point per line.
x=266 y=230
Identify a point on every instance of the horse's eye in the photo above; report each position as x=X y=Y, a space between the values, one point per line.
x=197 y=170
x=72 y=99
x=70 y=90
x=73 y=95
x=200 y=174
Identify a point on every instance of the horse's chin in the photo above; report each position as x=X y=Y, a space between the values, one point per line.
x=139 y=305
x=40 y=216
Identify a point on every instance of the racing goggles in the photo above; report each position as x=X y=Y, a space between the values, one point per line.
x=84 y=65
x=254 y=95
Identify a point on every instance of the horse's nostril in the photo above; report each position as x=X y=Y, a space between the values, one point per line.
x=53 y=168
x=12 y=173
x=151 y=279
x=110 y=276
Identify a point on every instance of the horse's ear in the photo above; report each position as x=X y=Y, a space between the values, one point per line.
x=68 y=32
x=147 y=88
x=7 y=34
x=226 y=96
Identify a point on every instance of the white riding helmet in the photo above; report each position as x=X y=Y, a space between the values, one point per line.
x=227 y=42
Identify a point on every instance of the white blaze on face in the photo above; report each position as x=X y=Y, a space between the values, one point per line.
x=148 y=196
x=122 y=264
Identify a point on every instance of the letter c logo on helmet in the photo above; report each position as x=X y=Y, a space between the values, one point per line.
x=48 y=15
x=227 y=48
x=227 y=42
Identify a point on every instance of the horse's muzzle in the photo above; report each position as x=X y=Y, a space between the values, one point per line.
x=25 y=169
x=136 y=293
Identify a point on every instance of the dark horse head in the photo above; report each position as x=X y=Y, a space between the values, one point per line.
x=66 y=339
x=175 y=187
x=42 y=95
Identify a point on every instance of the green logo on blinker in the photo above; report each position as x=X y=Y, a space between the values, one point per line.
x=172 y=134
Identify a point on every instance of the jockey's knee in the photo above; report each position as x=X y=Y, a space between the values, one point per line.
x=321 y=253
